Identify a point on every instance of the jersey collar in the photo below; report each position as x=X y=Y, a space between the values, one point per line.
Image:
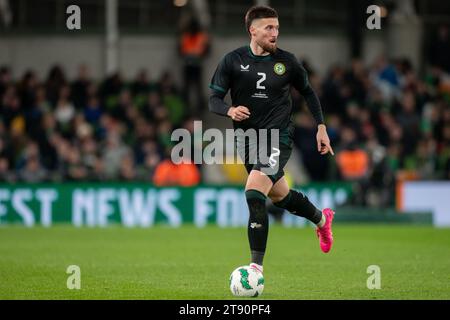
x=259 y=58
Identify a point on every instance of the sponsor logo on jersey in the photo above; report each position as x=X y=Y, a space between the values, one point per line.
x=279 y=68
x=244 y=68
x=260 y=95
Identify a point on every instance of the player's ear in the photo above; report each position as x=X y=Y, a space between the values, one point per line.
x=252 y=30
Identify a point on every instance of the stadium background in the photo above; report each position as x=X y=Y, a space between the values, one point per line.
x=86 y=117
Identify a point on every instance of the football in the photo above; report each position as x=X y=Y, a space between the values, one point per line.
x=246 y=282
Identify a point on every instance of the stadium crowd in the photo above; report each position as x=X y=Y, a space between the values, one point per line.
x=56 y=130
x=385 y=122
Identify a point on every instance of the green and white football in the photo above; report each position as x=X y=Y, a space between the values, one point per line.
x=246 y=282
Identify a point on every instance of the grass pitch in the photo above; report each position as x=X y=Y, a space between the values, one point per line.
x=191 y=263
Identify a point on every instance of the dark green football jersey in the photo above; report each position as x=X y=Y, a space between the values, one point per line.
x=262 y=84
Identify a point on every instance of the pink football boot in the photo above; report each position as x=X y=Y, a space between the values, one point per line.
x=325 y=234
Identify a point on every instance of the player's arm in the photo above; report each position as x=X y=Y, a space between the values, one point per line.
x=219 y=86
x=216 y=103
x=218 y=106
x=301 y=83
x=313 y=103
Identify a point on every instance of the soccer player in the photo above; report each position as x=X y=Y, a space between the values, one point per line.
x=259 y=76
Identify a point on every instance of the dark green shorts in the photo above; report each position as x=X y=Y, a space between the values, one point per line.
x=267 y=154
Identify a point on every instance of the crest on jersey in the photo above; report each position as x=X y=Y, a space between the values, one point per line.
x=279 y=68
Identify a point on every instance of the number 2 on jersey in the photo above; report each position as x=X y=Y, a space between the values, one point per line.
x=258 y=83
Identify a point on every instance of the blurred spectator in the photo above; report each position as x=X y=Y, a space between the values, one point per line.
x=113 y=153
x=409 y=121
x=27 y=90
x=33 y=171
x=172 y=102
x=65 y=111
x=5 y=174
x=79 y=89
x=120 y=110
x=423 y=161
x=357 y=81
x=5 y=158
x=184 y=174
x=10 y=105
x=127 y=168
x=92 y=111
x=5 y=79
x=385 y=78
x=141 y=87
x=152 y=103
x=55 y=80
x=89 y=153
x=110 y=89
x=352 y=161
x=166 y=85
x=305 y=140
x=194 y=46
x=37 y=110
x=335 y=93
x=29 y=165
x=147 y=158
x=74 y=170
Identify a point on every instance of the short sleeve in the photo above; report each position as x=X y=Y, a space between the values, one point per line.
x=221 y=79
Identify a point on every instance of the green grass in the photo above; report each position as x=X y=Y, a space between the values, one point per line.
x=191 y=263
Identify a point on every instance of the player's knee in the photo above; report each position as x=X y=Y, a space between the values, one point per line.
x=258 y=181
x=276 y=198
x=291 y=200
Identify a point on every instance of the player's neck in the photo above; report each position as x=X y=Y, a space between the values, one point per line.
x=257 y=50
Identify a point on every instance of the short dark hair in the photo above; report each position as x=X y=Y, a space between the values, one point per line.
x=259 y=12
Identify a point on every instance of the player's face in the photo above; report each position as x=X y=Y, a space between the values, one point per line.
x=265 y=33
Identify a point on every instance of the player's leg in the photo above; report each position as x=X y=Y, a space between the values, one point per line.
x=256 y=190
x=298 y=204
x=295 y=202
x=280 y=194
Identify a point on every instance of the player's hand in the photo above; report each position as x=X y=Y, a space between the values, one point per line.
x=238 y=113
x=323 y=142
